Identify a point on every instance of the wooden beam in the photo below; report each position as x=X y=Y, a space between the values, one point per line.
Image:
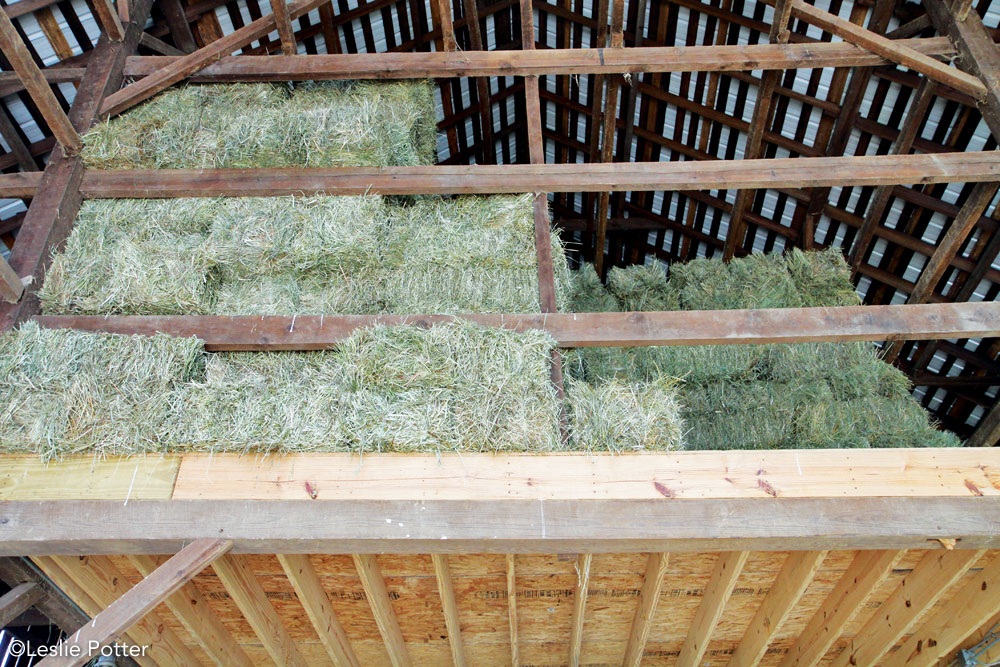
x=792 y=581
x=158 y=45
x=238 y=578
x=137 y=602
x=192 y=609
x=987 y=433
x=583 y=562
x=102 y=584
x=54 y=604
x=284 y=24
x=609 y=126
x=447 y=25
x=488 y=153
x=36 y=85
x=515 y=654
x=177 y=23
x=721 y=582
x=18 y=600
x=889 y=49
x=936 y=572
x=967 y=609
x=649 y=595
x=309 y=589
x=867 y=571
x=516 y=526
x=708 y=327
x=139 y=91
x=547 y=62
x=381 y=606
x=11 y=287
x=442 y=572
x=108 y=19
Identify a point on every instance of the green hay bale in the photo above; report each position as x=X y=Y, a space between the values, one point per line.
x=822 y=278
x=69 y=391
x=624 y=416
x=468 y=254
x=137 y=257
x=642 y=288
x=267 y=236
x=868 y=422
x=356 y=293
x=264 y=125
x=754 y=281
x=587 y=293
x=853 y=369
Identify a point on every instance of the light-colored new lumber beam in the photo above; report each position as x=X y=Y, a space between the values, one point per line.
x=792 y=581
x=706 y=327
x=302 y=575
x=649 y=595
x=138 y=601
x=866 y=572
x=442 y=572
x=515 y=655
x=947 y=248
x=967 y=609
x=239 y=581
x=919 y=105
x=385 y=616
x=11 y=287
x=107 y=17
x=143 y=89
x=547 y=62
x=583 y=562
x=38 y=88
x=192 y=609
x=721 y=582
x=102 y=584
x=284 y=24
x=887 y=48
x=936 y=572
x=18 y=600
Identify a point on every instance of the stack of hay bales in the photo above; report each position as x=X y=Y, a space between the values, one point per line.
x=808 y=395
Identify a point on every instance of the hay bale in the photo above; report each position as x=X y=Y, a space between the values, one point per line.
x=355 y=293
x=822 y=278
x=624 y=416
x=642 y=287
x=205 y=126
x=870 y=421
x=68 y=391
x=135 y=257
x=754 y=281
x=587 y=293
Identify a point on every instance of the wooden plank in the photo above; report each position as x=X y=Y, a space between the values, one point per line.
x=241 y=584
x=54 y=604
x=192 y=609
x=443 y=65
x=11 y=287
x=103 y=584
x=936 y=572
x=487 y=149
x=442 y=573
x=447 y=25
x=583 y=562
x=381 y=606
x=609 y=127
x=971 y=606
x=18 y=149
x=36 y=85
x=136 y=603
x=284 y=24
x=18 y=600
x=141 y=90
x=108 y=19
x=867 y=571
x=515 y=655
x=514 y=526
x=27 y=477
x=649 y=595
x=720 y=586
x=302 y=575
x=887 y=48
x=180 y=29
x=158 y=45
x=792 y=581
x=707 y=327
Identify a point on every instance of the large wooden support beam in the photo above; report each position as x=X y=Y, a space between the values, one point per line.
x=513 y=178
x=192 y=609
x=969 y=608
x=309 y=589
x=22 y=62
x=548 y=62
x=138 y=601
x=381 y=605
x=916 y=593
x=238 y=578
x=720 y=586
x=792 y=581
x=887 y=48
x=649 y=595
x=866 y=572
x=183 y=66
x=977 y=53
x=705 y=327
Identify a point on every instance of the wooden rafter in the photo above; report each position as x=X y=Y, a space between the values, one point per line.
x=18 y=600
x=609 y=127
x=583 y=563
x=720 y=586
x=449 y=604
x=649 y=595
x=283 y=23
x=381 y=606
x=515 y=654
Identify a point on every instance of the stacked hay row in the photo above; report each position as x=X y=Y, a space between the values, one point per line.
x=760 y=396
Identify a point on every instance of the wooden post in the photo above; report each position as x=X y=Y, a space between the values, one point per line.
x=11 y=287
x=107 y=17
x=610 y=128
x=284 y=25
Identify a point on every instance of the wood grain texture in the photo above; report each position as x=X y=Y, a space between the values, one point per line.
x=649 y=596
x=381 y=606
